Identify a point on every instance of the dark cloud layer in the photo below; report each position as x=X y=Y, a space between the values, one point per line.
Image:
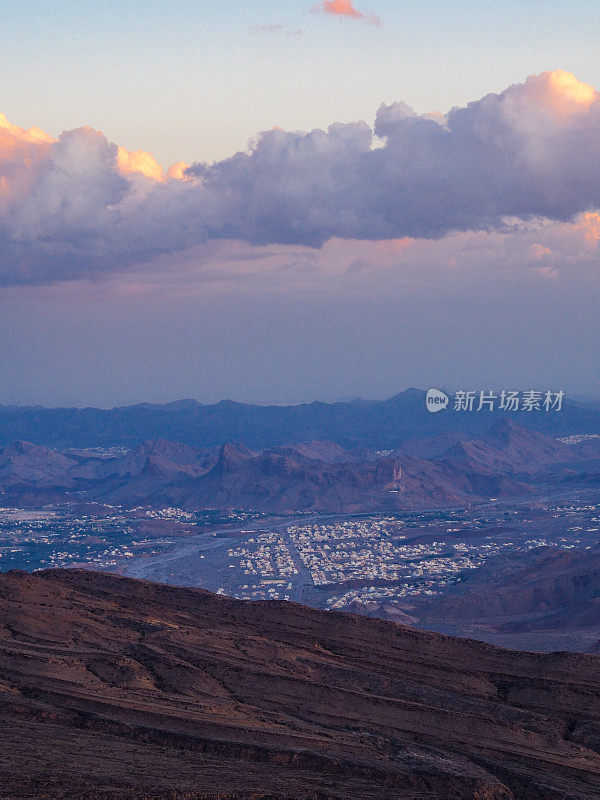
x=69 y=209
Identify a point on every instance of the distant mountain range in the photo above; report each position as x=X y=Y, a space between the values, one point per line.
x=382 y=424
x=128 y=690
x=451 y=469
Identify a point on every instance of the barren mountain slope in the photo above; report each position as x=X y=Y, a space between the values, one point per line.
x=113 y=688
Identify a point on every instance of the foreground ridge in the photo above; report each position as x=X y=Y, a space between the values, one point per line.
x=116 y=688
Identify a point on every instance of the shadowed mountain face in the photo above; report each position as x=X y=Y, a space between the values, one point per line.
x=121 y=689
x=508 y=461
x=162 y=459
x=555 y=589
x=280 y=480
x=30 y=464
x=552 y=601
x=507 y=448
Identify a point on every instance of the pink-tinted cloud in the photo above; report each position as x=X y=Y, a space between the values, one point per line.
x=139 y=161
x=19 y=151
x=80 y=205
x=344 y=8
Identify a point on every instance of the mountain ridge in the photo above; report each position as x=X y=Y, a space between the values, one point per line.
x=508 y=461
x=385 y=423
x=222 y=699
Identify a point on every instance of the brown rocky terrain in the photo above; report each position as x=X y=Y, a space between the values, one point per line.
x=508 y=461
x=122 y=689
x=286 y=480
x=281 y=479
x=26 y=464
x=550 y=600
x=551 y=582
x=507 y=449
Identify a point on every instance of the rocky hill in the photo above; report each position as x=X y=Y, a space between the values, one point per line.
x=121 y=689
x=507 y=448
x=507 y=461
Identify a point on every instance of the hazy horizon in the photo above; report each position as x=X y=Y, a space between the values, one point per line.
x=568 y=398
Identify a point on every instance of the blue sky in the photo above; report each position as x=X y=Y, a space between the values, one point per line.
x=191 y=81
x=459 y=251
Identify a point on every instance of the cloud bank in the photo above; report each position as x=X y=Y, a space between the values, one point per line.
x=80 y=206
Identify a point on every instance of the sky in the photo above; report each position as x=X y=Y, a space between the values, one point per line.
x=290 y=201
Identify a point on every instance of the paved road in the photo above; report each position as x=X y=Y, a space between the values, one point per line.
x=304 y=578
